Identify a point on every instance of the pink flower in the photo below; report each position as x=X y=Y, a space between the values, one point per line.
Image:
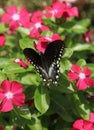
x=55 y=10
x=82 y=124
x=20 y=62
x=87 y=36
x=11 y=95
x=59 y=9
x=69 y=11
x=43 y=42
x=37 y=25
x=2 y=40
x=83 y=77
x=15 y=17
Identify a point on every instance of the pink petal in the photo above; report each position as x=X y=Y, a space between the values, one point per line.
x=6 y=106
x=88 y=125
x=78 y=124
x=6 y=85
x=13 y=25
x=37 y=16
x=81 y=84
x=76 y=68
x=2 y=40
x=87 y=71
x=91 y=117
x=12 y=10
x=74 y=11
x=34 y=33
x=41 y=45
x=5 y=18
x=16 y=87
x=56 y=36
x=72 y=76
x=2 y=96
x=89 y=81
x=19 y=99
x=24 y=17
x=43 y=28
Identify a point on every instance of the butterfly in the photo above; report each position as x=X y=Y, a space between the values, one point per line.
x=47 y=63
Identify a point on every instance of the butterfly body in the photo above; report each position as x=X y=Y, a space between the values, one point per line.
x=47 y=63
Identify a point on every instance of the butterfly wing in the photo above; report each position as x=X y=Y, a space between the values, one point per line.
x=53 y=55
x=36 y=60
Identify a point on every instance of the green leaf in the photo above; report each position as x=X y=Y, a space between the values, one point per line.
x=91 y=67
x=81 y=47
x=42 y=99
x=61 y=106
x=47 y=33
x=65 y=65
x=68 y=53
x=2 y=76
x=36 y=123
x=23 y=31
x=31 y=79
x=81 y=105
x=4 y=62
x=81 y=26
x=3 y=28
x=26 y=43
x=81 y=62
x=15 y=68
x=25 y=112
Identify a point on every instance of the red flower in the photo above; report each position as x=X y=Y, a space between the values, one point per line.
x=55 y=10
x=82 y=124
x=37 y=25
x=87 y=36
x=43 y=42
x=2 y=40
x=82 y=75
x=59 y=9
x=15 y=18
x=11 y=95
x=20 y=62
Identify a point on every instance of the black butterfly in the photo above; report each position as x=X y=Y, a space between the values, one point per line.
x=47 y=63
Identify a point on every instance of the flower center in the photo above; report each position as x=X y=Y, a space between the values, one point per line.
x=82 y=75
x=9 y=95
x=37 y=25
x=17 y=60
x=54 y=11
x=16 y=17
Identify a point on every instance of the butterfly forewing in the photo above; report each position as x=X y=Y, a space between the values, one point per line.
x=32 y=56
x=54 y=51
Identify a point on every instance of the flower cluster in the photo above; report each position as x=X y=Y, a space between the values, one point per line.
x=59 y=9
x=34 y=21
x=82 y=124
x=82 y=77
